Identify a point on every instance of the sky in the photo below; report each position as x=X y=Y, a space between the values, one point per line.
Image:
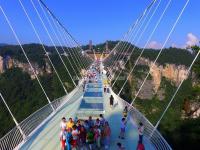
x=101 y=20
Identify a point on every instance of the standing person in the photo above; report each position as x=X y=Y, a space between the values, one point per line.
x=141 y=131
x=102 y=120
x=105 y=89
x=63 y=138
x=70 y=123
x=90 y=138
x=111 y=101
x=82 y=137
x=63 y=123
x=125 y=111
x=97 y=123
x=79 y=125
x=106 y=135
x=123 y=128
x=90 y=122
x=86 y=125
x=97 y=136
x=69 y=139
x=140 y=146
x=75 y=135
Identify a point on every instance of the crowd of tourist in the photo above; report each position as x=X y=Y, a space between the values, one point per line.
x=85 y=134
x=95 y=134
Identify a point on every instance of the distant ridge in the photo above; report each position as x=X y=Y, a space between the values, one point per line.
x=3 y=44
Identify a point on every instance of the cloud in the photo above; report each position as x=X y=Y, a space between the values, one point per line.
x=191 y=40
x=154 y=45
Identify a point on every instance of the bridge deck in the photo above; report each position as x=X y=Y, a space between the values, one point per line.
x=47 y=137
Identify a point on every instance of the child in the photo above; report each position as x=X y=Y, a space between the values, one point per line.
x=90 y=138
x=75 y=135
x=97 y=136
x=122 y=128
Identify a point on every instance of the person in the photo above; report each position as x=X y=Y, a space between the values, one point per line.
x=108 y=90
x=90 y=122
x=63 y=138
x=63 y=123
x=97 y=123
x=125 y=111
x=90 y=138
x=105 y=89
x=106 y=135
x=102 y=120
x=122 y=128
x=75 y=135
x=70 y=123
x=140 y=146
x=120 y=147
x=141 y=131
x=76 y=120
x=86 y=125
x=69 y=138
x=79 y=125
x=82 y=137
x=97 y=136
x=111 y=101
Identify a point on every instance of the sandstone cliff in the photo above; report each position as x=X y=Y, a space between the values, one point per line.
x=171 y=72
x=9 y=63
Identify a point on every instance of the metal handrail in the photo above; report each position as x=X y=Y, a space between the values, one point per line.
x=155 y=137
x=13 y=139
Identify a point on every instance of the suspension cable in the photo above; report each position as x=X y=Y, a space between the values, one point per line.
x=147 y=43
x=169 y=35
x=40 y=41
x=18 y=41
x=138 y=39
x=74 y=50
x=153 y=1
x=63 y=27
x=138 y=31
x=169 y=104
x=43 y=24
x=56 y=35
x=64 y=41
x=65 y=31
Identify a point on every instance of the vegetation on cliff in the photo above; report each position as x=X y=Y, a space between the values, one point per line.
x=180 y=133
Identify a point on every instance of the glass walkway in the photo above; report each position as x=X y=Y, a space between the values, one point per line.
x=93 y=101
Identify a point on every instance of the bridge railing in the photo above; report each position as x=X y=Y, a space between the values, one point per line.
x=154 y=136
x=13 y=139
